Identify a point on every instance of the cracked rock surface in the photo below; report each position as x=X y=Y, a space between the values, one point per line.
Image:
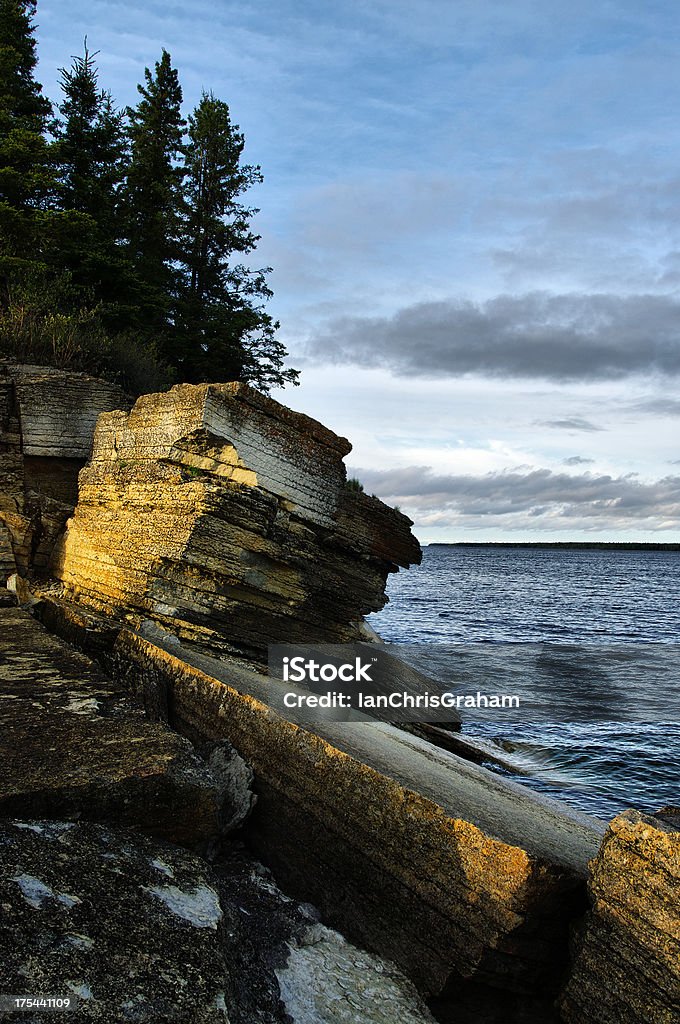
x=74 y=744
x=128 y=927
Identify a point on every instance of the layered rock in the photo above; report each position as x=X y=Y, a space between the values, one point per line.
x=47 y=420
x=75 y=745
x=627 y=957
x=369 y=824
x=225 y=517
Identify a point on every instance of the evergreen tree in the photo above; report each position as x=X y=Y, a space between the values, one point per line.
x=153 y=189
x=222 y=331
x=26 y=177
x=91 y=153
x=91 y=146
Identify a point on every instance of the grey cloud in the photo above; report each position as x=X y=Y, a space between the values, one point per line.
x=576 y=460
x=571 y=423
x=538 y=493
x=659 y=406
x=571 y=337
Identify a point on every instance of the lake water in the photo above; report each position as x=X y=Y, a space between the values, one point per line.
x=588 y=638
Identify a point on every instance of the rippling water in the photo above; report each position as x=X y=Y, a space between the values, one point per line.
x=592 y=601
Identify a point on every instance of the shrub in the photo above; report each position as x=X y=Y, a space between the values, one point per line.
x=353 y=484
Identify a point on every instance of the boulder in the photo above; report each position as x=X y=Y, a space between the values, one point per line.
x=225 y=518
x=627 y=957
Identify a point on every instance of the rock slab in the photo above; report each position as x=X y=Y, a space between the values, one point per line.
x=627 y=959
x=225 y=518
x=129 y=928
x=73 y=744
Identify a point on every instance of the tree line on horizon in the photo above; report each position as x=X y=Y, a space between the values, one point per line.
x=123 y=233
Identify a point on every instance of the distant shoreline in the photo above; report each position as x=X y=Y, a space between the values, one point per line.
x=596 y=545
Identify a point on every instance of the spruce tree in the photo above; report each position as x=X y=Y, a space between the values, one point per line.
x=222 y=330
x=26 y=177
x=91 y=152
x=153 y=189
x=91 y=145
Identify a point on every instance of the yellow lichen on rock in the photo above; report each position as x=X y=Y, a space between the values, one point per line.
x=633 y=928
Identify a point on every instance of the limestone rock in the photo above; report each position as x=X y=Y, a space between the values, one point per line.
x=75 y=745
x=374 y=836
x=129 y=928
x=287 y=966
x=20 y=588
x=328 y=979
x=224 y=517
x=133 y=929
x=7 y=563
x=58 y=410
x=627 y=962
x=47 y=420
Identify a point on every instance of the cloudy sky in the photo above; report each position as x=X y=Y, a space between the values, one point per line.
x=472 y=209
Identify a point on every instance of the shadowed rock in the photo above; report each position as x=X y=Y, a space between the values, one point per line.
x=47 y=421
x=127 y=927
x=74 y=744
x=136 y=930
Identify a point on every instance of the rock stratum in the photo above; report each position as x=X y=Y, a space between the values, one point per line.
x=226 y=518
x=627 y=956
x=47 y=422
x=149 y=759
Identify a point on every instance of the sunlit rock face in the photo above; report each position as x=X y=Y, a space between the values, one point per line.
x=47 y=421
x=226 y=517
x=627 y=964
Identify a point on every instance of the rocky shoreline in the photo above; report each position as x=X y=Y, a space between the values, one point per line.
x=151 y=772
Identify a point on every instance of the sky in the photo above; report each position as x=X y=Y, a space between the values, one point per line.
x=472 y=212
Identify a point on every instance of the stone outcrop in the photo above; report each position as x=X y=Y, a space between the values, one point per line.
x=47 y=420
x=75 y=745
x=370 y=833
x=627 y=957
x=212 y=522
x=225 y=517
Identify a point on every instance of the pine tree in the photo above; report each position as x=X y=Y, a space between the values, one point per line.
x=222 y=331
x=153 y=189
x=26 y=177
